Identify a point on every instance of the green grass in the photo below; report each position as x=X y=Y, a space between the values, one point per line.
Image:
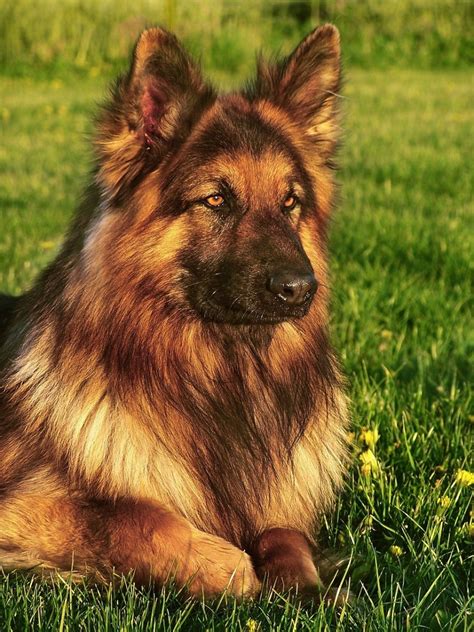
x=402 y=270
x=81 y=33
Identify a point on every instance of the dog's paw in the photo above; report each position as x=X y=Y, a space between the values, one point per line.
x=214 y=567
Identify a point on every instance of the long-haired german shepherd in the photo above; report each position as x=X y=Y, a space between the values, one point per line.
x=170 y=404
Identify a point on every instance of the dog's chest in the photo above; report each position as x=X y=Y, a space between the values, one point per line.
x=236 y=503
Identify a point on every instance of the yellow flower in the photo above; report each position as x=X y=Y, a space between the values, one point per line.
x=444 y=501
x=370 y=437
x=464 y=478
x=47 y=245
x=370 y=465
x=396 y=551
x=368 y=521
x=252 y=625
x=366 y=524
x=467 y=530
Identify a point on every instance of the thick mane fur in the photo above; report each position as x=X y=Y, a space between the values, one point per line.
x=220 y=400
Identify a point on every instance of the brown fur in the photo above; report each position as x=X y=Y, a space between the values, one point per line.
x=141 y=430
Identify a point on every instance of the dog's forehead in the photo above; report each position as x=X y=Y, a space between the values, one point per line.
x=236 y=125
x=236 y=143
x=253 y=178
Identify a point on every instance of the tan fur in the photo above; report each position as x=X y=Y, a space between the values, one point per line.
x=103 y=468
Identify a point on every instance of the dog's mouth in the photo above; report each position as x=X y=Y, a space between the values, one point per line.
x=238 y=315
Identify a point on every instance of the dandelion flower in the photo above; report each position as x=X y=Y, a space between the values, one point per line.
x=370 y=465
x=466 y=530
x=444 y=501
x=396 y=551
x=370 y=437
x=252 y=625
x=464 y=478
x=366 y=524
x=47 y=245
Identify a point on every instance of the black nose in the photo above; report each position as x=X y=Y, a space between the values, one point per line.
x=294 y=289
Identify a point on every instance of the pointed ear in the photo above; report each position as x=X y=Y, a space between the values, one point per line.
x=153 y=105
x=164 y=82
x=306 y=85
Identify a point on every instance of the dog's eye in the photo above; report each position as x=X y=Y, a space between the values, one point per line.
x=214 y=201
x=290 y=203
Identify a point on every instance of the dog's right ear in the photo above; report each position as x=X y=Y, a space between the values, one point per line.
x=153 y=105
x=164 y=84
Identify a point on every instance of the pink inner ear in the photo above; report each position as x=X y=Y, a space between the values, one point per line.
x=152 y=108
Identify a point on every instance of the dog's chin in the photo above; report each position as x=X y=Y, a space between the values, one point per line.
x=213 y=312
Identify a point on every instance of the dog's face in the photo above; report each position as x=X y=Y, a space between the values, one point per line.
x=245 y=194
x=237 y=183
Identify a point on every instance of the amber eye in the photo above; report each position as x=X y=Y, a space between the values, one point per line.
x=290 y=202
x=214 y=201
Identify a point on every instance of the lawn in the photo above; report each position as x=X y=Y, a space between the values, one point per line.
x=402 y=246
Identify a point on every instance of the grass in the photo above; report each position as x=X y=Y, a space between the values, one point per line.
x=82 y=33
x=402 y=268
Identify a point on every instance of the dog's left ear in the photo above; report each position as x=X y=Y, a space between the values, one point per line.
x=306 y=85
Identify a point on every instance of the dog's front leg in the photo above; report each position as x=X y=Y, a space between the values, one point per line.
x=283 y=560
x=102 y=539
x=160 y=545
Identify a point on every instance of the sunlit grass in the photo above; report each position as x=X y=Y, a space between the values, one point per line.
x=402 y=272
x=80 y=34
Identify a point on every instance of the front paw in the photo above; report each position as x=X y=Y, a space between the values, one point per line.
x=284 y=561
x=214 y=566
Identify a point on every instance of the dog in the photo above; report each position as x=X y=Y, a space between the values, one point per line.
x=170 y=403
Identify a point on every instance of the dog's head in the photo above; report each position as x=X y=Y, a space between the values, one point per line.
x=220 y=202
